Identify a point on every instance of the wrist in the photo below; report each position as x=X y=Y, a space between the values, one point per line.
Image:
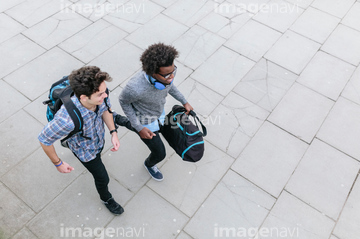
x=113 y=131
x=59 y=164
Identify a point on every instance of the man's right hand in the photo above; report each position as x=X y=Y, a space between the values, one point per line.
x=145 y=133
x=64 y=168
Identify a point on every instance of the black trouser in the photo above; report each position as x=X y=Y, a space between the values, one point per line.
x=156 y=146
x=101 y=177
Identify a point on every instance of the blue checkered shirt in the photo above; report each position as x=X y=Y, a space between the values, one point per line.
x=93 y=128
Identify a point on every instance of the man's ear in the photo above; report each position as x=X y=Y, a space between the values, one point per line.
x=83 y=98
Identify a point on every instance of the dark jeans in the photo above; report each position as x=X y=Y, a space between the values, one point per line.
x=156 y=146
x=101 y=177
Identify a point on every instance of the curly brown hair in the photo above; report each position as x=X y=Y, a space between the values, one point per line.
x=87 y=80
x=156 y=56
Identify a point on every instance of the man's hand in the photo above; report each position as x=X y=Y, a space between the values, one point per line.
x=188 y=107
x=145 y=133
x=115 y=142
x=64 y=168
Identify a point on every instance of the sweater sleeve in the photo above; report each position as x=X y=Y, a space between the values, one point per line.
x=174 y=92
x=127 y=97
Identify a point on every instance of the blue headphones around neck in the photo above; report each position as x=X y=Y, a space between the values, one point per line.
x=157 y=84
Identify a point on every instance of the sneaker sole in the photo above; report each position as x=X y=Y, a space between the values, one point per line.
x=159 y=180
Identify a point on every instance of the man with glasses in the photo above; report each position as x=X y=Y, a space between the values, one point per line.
x=143 y=100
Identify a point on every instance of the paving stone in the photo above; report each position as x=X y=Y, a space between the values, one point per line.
x=24 y=233
x=14 y=148
x=154 y=213
x=183 y=235
x=344 y=43
x=17 y=52
x=30 y=13
x=93 y=40
x=201 y=98
x=253 y=40
x=289 y=218
x=341 y=128
x=302 y=3
x=270 y=158
x=250 y=6
x=42 y=72
x=334 y=7
x=301 y=112
x=14 y=213
x=37 y=109
x=265 y=84
x=234 y=204
x=347 y=225
x=323 y=178
x=12 y=100
x=352 y=89
x=93 y=9
x=22 y=182
x=127 y=164
x=165 y=3
x=352 y=18
x=183 y=181
x=315 y=24
x=7 y=4
x=121 y=61
x=221 y=60
x=133 y=14
x=326 y=74
x=189 y=12
x=196 y=45
x=234 y=24
x=153 y=32
x=233 y=123
x=66 y=214
x=292 y=52
x=214 y=22
x=57 y=28
x=9 y=27
x=279 y=14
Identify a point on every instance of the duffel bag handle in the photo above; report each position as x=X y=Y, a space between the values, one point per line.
x=204 y=131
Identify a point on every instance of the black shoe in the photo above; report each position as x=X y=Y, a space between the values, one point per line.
x=114 y=207
x=120 y=120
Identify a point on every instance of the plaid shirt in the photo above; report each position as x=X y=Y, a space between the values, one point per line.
x=93 y=128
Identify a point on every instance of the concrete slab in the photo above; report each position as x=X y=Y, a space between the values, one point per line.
x=292 y=218
x=10 y=27
x=181 y=186
x=270 y=158
x=341 y=129
x=221 y=60
x=235 y=204
x=24 y=233
x=324 y=178
x=42 y=72
x=14 y=148
x=349 y=219
x=352 y=18
x=233 y=123
x=301 y=112
x=265 y=84
x=253 y=40
x=315 y=24
x=196 y=45
x=352 y=88
x=292 y=52
x=344 y=43
x=334 y=7
x=154 y=213
x=327 y=75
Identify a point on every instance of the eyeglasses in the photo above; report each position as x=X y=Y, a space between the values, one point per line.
x=167 y=76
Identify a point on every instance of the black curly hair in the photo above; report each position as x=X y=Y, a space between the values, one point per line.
x=156 y=56
x=87 y=80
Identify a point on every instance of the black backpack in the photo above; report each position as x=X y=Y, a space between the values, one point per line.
x=60 y=94
x=182 y=135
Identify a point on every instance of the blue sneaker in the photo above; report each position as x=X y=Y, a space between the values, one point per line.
x=154 y=172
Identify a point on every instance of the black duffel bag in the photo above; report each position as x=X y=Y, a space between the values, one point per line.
x=182 y=135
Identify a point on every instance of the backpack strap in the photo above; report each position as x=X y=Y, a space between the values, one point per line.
x=74 y=114
x=105 y=100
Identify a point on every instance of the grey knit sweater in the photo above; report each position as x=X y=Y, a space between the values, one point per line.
x=142 y=103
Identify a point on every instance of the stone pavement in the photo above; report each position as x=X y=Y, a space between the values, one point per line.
x=277 y=83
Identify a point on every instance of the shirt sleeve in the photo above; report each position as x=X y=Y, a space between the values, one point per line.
x=174 y=92
x=127 y=97
x=56 y=129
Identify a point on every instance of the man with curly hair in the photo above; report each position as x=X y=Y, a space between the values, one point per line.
x=88 y=84
x=144 y=97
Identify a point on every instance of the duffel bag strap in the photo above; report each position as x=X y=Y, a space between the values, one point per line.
x=193 y=114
